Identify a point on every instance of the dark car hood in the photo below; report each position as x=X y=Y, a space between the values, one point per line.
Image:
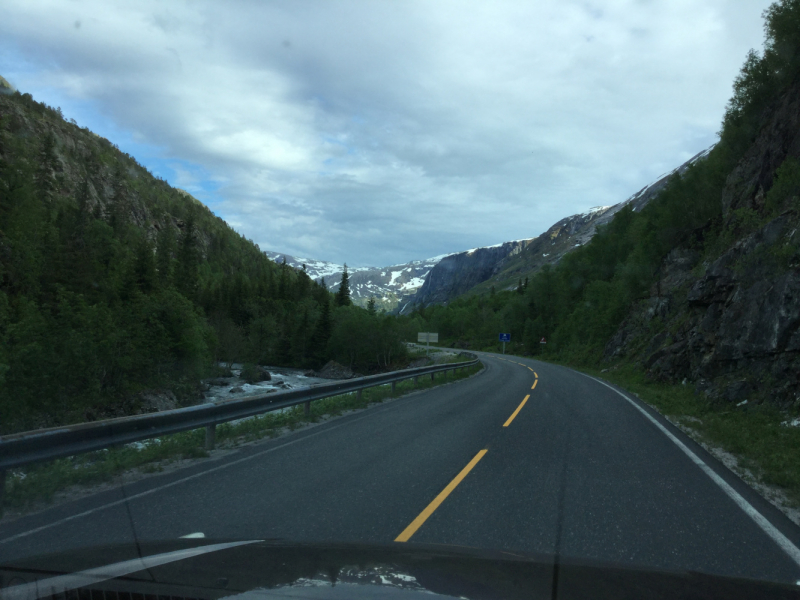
x=253 y=570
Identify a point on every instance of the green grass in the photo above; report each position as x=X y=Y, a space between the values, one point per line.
x=41 y=482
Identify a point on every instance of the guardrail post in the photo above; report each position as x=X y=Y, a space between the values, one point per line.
x=307 y=407
x=211 y=436
x=358 y=395
x=394 y=387
x=433 y=376
x=416 y=381
x=2 y=489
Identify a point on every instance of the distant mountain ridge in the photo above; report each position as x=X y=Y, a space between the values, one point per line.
x=400 y=288
x=390 y=286
x=503 y=266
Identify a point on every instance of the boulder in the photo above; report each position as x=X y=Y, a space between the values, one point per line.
x=333 y=370
x=157 y=400
x=255 y=374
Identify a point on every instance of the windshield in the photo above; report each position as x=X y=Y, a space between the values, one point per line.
x=507 y=277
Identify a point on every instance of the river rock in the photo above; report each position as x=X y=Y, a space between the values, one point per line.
x=333 y=370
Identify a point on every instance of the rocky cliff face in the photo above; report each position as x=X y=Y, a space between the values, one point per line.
x=112 y=178
x=458 y=273
x=778 y=139
x=730 y=325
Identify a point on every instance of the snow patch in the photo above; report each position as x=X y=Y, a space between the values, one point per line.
x=413 y=284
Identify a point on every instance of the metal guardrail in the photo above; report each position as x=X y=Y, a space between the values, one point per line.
x=41 y=445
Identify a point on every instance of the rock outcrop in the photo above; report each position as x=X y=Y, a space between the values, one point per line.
x=731 y=326
x=458 y=273
x=333 y=370
x=778 y=139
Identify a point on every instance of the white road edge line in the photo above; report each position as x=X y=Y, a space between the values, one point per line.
x=785 y=543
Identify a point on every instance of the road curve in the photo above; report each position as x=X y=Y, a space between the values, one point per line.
x=527 y=457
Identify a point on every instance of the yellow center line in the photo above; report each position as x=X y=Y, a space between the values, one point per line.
x=535 y=381
x=529 y=369
x=535 y=375
x=516 y=412
x=423 y=516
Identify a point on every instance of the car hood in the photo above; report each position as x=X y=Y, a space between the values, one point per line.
x=257 y=569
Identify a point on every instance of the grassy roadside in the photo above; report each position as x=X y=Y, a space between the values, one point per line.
x=40 y=483
x=754 y=434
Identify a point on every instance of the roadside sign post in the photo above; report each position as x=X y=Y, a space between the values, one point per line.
x=427 y=337
x=505 y=337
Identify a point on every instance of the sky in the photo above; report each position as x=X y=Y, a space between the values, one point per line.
x=376 y=133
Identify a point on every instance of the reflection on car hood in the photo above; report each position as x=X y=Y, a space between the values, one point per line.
x=255 y=570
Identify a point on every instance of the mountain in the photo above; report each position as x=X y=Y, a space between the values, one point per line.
x=316 y=269
x=456 y=274
x=399 y=288
x=503 y=266
x=390 y=286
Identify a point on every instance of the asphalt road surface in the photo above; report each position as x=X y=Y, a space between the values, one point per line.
x=527 y=457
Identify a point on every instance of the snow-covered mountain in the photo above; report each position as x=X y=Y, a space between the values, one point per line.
x=388 y=285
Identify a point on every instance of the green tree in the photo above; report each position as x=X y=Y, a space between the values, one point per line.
x=322 y=332
x=144 y=267
x=165 y=248
x=186 y=275
x=343 y=293
x=371 y=306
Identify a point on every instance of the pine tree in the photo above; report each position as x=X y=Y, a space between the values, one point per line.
x=144 y=268
x=283 y=281
x=48 y=162
x=166 y=244
x=322 y=332
x=186 y=275
x=371 y=306
x=343 y=294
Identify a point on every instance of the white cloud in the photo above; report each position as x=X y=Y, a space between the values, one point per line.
x=375 y=133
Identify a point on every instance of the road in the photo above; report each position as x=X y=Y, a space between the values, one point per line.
x=577 y=470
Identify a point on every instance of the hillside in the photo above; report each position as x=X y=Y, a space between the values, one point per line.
x=571 y=233
x=700 y=286
x=120 y=294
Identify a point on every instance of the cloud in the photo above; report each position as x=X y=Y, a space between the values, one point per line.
x=376 y=133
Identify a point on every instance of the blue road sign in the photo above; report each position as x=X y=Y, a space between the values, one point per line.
x=505 y=337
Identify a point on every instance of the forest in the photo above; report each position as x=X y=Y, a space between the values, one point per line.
x=113 y=283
